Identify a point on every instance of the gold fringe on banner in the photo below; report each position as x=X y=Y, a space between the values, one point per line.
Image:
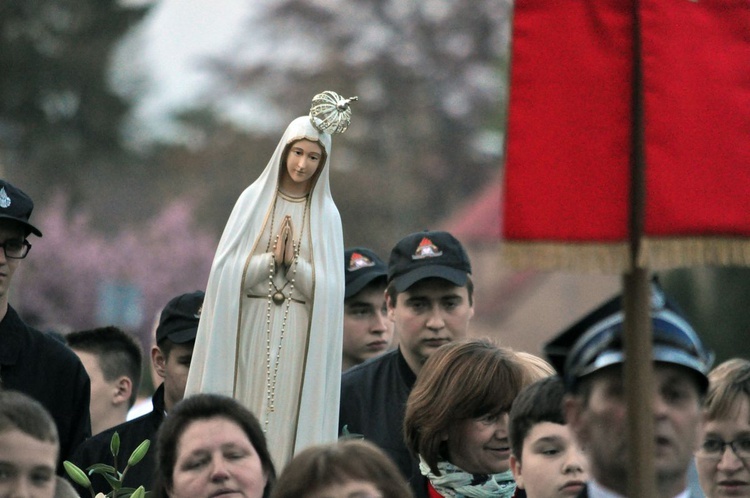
x=576 y=257
x=668 y=253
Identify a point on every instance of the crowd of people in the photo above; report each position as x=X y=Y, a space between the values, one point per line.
x=414 y=406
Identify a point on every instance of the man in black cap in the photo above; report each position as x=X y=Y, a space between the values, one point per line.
x=367 y=331
x=175 y=338
x=32 y=362
x=590 y=356
x=429 y=299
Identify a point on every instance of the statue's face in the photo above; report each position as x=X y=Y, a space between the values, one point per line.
x=302 y=161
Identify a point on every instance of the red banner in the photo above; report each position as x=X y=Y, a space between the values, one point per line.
x=696 y=60
x=567 y=171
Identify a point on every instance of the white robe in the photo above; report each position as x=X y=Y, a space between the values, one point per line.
x=232 y=348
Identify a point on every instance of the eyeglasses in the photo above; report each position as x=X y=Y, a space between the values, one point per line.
x=16 y=249
x=714 y=448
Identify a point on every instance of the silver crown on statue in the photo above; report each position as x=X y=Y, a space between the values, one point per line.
x=330 y=112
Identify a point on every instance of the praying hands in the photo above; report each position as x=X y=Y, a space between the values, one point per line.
x=283 y=249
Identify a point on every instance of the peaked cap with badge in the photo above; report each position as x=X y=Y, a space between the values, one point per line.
x=596 y=341
x=17 y=206
x=362 y=267
x=428 y=254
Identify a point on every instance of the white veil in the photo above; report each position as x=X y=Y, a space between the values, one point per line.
x=214 y=360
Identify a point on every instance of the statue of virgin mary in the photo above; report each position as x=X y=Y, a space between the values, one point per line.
x=270 y=331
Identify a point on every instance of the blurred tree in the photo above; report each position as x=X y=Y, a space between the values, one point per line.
x=59 y=118
x=213 y=169
x=60 y=283
x=431 y=77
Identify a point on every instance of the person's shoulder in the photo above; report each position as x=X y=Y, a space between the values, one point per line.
x=49 y=341
x=371 y=368
x=142 y=427
x=138 y=427
x=103 y=439
x=51 y=349
x=93 y=449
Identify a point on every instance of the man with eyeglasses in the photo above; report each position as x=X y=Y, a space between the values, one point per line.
x=31 y=361
x=589 y=355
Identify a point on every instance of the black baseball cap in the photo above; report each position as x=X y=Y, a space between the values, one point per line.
x=362 y=266
x=179 y=319
x=596 y=341
x=428 y=254
x=17 y=206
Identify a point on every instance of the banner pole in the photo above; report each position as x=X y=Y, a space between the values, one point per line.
x=638 y=369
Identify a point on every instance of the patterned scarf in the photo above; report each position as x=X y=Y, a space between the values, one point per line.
x=455 y=483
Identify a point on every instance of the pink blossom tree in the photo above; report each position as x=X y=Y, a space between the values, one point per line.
x=61 y=284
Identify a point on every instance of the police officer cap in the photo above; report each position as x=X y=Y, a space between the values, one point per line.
x=17 y=206
x=595 y=341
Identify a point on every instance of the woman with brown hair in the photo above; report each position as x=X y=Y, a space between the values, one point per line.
x=457 y=418
x=341 y=470
x=211 y=445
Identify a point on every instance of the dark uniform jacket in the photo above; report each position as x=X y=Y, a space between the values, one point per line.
x=44 y=368
x=373 y=404
x=132 y=433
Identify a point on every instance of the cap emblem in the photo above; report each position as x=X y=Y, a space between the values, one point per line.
x=359 y=261
x=198 y=313
x=426 y=249
x=4 y=199
x=658 y=300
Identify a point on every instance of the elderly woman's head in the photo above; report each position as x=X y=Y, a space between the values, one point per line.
x=212 y=444
x=723 y=457
x=29 y=447
x=458 y=409
x=340 y=470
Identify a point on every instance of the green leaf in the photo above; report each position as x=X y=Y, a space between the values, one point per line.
x=114 y=483
x=77 y=474
x=114 y=444
x=101 y=468
x=124 y=492
x=139 y=453
x=139 y=493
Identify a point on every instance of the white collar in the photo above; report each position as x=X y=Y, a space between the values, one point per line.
x=596 y=490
